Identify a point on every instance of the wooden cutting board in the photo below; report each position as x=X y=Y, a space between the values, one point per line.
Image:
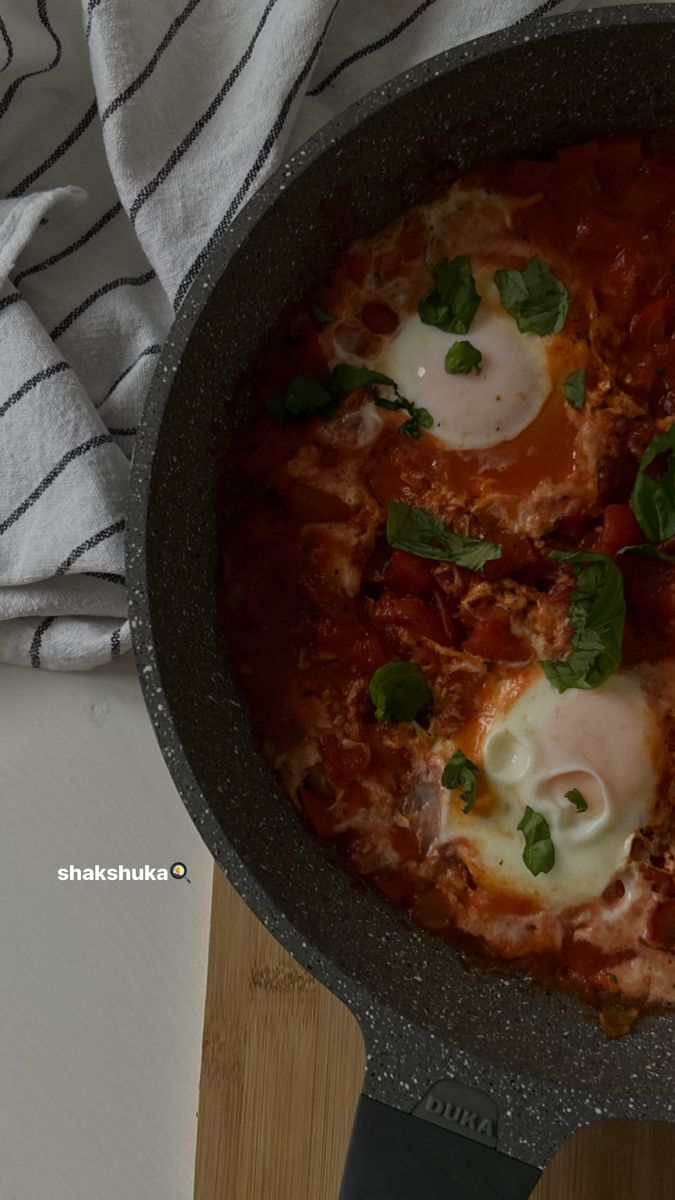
x=282 y=1066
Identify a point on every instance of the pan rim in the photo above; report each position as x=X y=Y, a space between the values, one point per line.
x=346 y=986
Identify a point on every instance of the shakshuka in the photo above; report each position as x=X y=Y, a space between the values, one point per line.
x=449 y=589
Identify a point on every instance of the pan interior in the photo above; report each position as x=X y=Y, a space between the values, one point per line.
x=513 y=94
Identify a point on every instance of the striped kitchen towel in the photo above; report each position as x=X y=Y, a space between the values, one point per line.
x=131 y=134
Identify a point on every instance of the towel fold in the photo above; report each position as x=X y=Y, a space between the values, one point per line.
x=132 y=135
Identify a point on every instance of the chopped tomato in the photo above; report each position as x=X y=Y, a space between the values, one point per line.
x=432 y=909
x=649 y=326
x=356 y=265
x=524 y=176
x=573 y=527
x=405 y=844
x=411 y=241
x=346 y=639
x=446 y=611
x=617 y=161
x=378 y=317
x=409 y=572
x=307 y=504
x=343 y=761
x=356 y=799
x=619 y=529
x=492 y=639
x=587 y=960
x=517 y=552
x=601 y=232
x=319 y=812
x=396 y=884
x=407 y=612
x=661 y=926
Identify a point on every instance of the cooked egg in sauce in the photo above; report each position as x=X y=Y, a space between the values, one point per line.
x=480 y=409
x=604 y=744
x=401 y=567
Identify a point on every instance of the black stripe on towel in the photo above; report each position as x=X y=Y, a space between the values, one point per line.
x=155 y=349
x=81 y=241
x=93 y=4
x=28 y=386
x=263 y=155
x=36 y=643
x=89 y=544
x=107 y=576
x=372 y=47
x=56 y=154
x=102 y=439
x=151 y=187
x=7 y=42
x=150 y=66
x=16 y=84
x=13 y=298
x=123 y=281
x=541 y=11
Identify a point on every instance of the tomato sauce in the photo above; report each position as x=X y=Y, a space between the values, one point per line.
x=314 y=599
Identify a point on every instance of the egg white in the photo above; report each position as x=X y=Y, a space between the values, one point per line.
x=478 y=410
x=599 y=742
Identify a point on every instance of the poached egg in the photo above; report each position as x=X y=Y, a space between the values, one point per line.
x=603 y=743
x=475 y=411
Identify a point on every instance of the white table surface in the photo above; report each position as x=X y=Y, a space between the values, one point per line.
x=101 y=983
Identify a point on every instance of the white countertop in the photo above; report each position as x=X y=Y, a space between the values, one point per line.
x=102 y=983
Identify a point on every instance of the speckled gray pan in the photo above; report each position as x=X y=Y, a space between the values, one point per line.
x=426 y=1015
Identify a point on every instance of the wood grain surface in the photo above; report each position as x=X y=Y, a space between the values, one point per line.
x=281 y=1072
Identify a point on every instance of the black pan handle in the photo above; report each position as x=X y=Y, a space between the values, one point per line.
x=401 y=1156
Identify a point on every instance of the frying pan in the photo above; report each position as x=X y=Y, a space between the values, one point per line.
x=473 y=1078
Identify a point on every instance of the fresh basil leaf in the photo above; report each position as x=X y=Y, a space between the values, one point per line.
x=320 y=316
x=452 y=303
x=647 y=551
x=303 y=396
x=420 y=533
x=597 y=610
x=398 y=691
x=575 y=797
x=418 y=419
x=534 y=297
x=461 y=774
x=539 y=852
x=653 y=500
x=345 y=379
x=462 y=358
x=574 y=388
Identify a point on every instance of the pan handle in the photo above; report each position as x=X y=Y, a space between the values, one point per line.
x=399 y=1156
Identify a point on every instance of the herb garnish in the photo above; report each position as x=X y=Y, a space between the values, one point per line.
x=398 y=691
x=597 y=609
x=462 y=358
x=574 y=388
x=534 y=297
x=320 y=316
x=461 y=774
x=575 y=797
x=305 y=396
x=418 y=419
x=453 y=300
x=647 y=551
x=539 y=852
x=420 y=533
x=653 y=500
x=344 y=378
